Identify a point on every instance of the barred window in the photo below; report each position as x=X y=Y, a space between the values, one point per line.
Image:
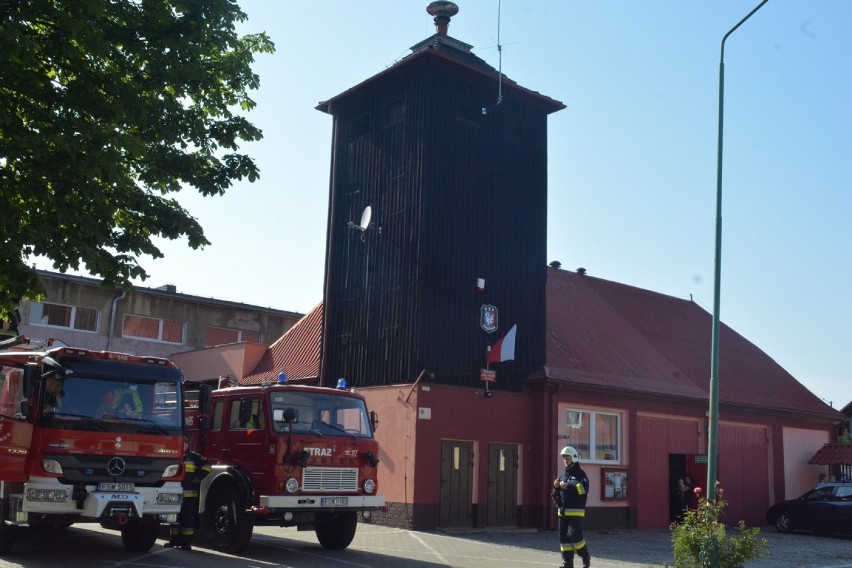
x=224 y=335
x=141 y=327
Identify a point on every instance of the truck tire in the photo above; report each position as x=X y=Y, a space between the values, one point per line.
x=139 y=536
x=335 y=531
x=232 y=525
x=7 y=532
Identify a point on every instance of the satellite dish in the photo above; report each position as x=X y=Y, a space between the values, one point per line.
x=365 y=220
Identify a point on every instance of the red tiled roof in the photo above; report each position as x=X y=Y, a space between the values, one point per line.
x=613 y=336
x=606 y=335
x=833 y=454
x=297 y=352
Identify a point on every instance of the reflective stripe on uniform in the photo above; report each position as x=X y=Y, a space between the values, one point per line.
x=572 y=512
x=190 y=467
x=580 y=489
x=569 y=546
x=190 y=493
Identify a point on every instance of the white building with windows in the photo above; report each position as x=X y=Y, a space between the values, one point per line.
x=159 y=321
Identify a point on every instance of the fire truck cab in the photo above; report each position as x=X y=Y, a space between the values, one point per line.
x=285 y=455
x=89 y=437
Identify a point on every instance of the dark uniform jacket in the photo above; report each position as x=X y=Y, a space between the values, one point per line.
x=571 y=501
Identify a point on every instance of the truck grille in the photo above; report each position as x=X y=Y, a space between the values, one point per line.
x=330 y=479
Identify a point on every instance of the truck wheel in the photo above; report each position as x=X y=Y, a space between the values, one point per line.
x=139 y=536
x=232 y=525
x=335 y=531
x=7 y=532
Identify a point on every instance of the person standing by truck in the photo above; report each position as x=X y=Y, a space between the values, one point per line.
x=569 y=494
x=182 y=533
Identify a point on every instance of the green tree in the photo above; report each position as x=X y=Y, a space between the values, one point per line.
x=107 y=109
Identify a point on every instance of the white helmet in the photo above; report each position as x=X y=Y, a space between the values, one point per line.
x=570 y=451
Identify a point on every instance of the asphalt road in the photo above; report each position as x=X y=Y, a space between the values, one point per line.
x=378 y=547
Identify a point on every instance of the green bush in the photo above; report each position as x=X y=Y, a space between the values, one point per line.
x=700 y=537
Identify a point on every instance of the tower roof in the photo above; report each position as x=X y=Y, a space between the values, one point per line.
x=450 y=50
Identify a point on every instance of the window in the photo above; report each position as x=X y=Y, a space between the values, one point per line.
x=594 y=434
x=167 y=331
x=223 y=335
x=247 y=414
x=59 y=315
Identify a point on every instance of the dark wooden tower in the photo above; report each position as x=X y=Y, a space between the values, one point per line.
x=450 y=157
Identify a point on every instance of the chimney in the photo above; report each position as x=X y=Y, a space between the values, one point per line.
x=442 y=11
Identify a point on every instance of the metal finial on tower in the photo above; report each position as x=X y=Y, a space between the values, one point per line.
x=442 y=11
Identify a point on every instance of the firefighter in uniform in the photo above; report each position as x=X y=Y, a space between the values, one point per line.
x=570 y=491
x=197 y=468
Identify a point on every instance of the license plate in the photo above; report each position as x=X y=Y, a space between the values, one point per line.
x=111 y=487
x=334 y=501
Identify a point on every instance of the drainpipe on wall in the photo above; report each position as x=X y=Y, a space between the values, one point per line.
x=115 y=302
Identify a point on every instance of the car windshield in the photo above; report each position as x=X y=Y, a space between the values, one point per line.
x=319 y=414
x=820 y=493
x=120 y=405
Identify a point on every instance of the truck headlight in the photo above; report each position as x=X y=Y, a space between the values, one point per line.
x=51 y=466
x=369 y=486
x=171 y=470
x=292 y=485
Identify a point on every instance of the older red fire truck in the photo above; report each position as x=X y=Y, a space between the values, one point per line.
x=89 y=437
x=285 y=455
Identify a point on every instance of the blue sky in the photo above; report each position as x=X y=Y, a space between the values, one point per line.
x=632 y=159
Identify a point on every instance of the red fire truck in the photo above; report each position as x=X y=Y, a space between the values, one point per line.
x=285 y=455
x=89 y=437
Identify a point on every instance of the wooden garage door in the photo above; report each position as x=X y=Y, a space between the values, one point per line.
x=658 y=437
x=744 y=472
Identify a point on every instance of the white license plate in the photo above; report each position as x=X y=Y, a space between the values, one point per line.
x=334 y=501
x=111 y=487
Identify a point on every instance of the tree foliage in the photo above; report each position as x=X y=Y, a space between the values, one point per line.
x=107 y=109
x=701 y=540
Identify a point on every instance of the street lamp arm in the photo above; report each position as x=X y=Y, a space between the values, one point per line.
x=733 y=29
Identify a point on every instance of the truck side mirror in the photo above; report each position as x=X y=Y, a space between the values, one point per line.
x=205 y=393
x=30 y=375
x=28 y=379
x=290 y=415
x=374 y=420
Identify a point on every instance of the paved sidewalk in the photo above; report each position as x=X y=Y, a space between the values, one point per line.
x=533 y=549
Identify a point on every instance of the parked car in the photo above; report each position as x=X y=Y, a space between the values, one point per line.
x=827 y=508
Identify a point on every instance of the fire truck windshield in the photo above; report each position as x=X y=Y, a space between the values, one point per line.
x=109 y=404
x=319 y=414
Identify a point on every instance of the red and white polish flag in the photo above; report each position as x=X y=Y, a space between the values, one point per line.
x=504 y=349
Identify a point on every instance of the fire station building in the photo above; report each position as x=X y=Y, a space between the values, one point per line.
x=436 y=248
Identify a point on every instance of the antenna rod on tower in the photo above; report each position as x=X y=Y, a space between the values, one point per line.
x=499 y=57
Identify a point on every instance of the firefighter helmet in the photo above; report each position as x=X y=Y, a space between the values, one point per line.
x=570 y=451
